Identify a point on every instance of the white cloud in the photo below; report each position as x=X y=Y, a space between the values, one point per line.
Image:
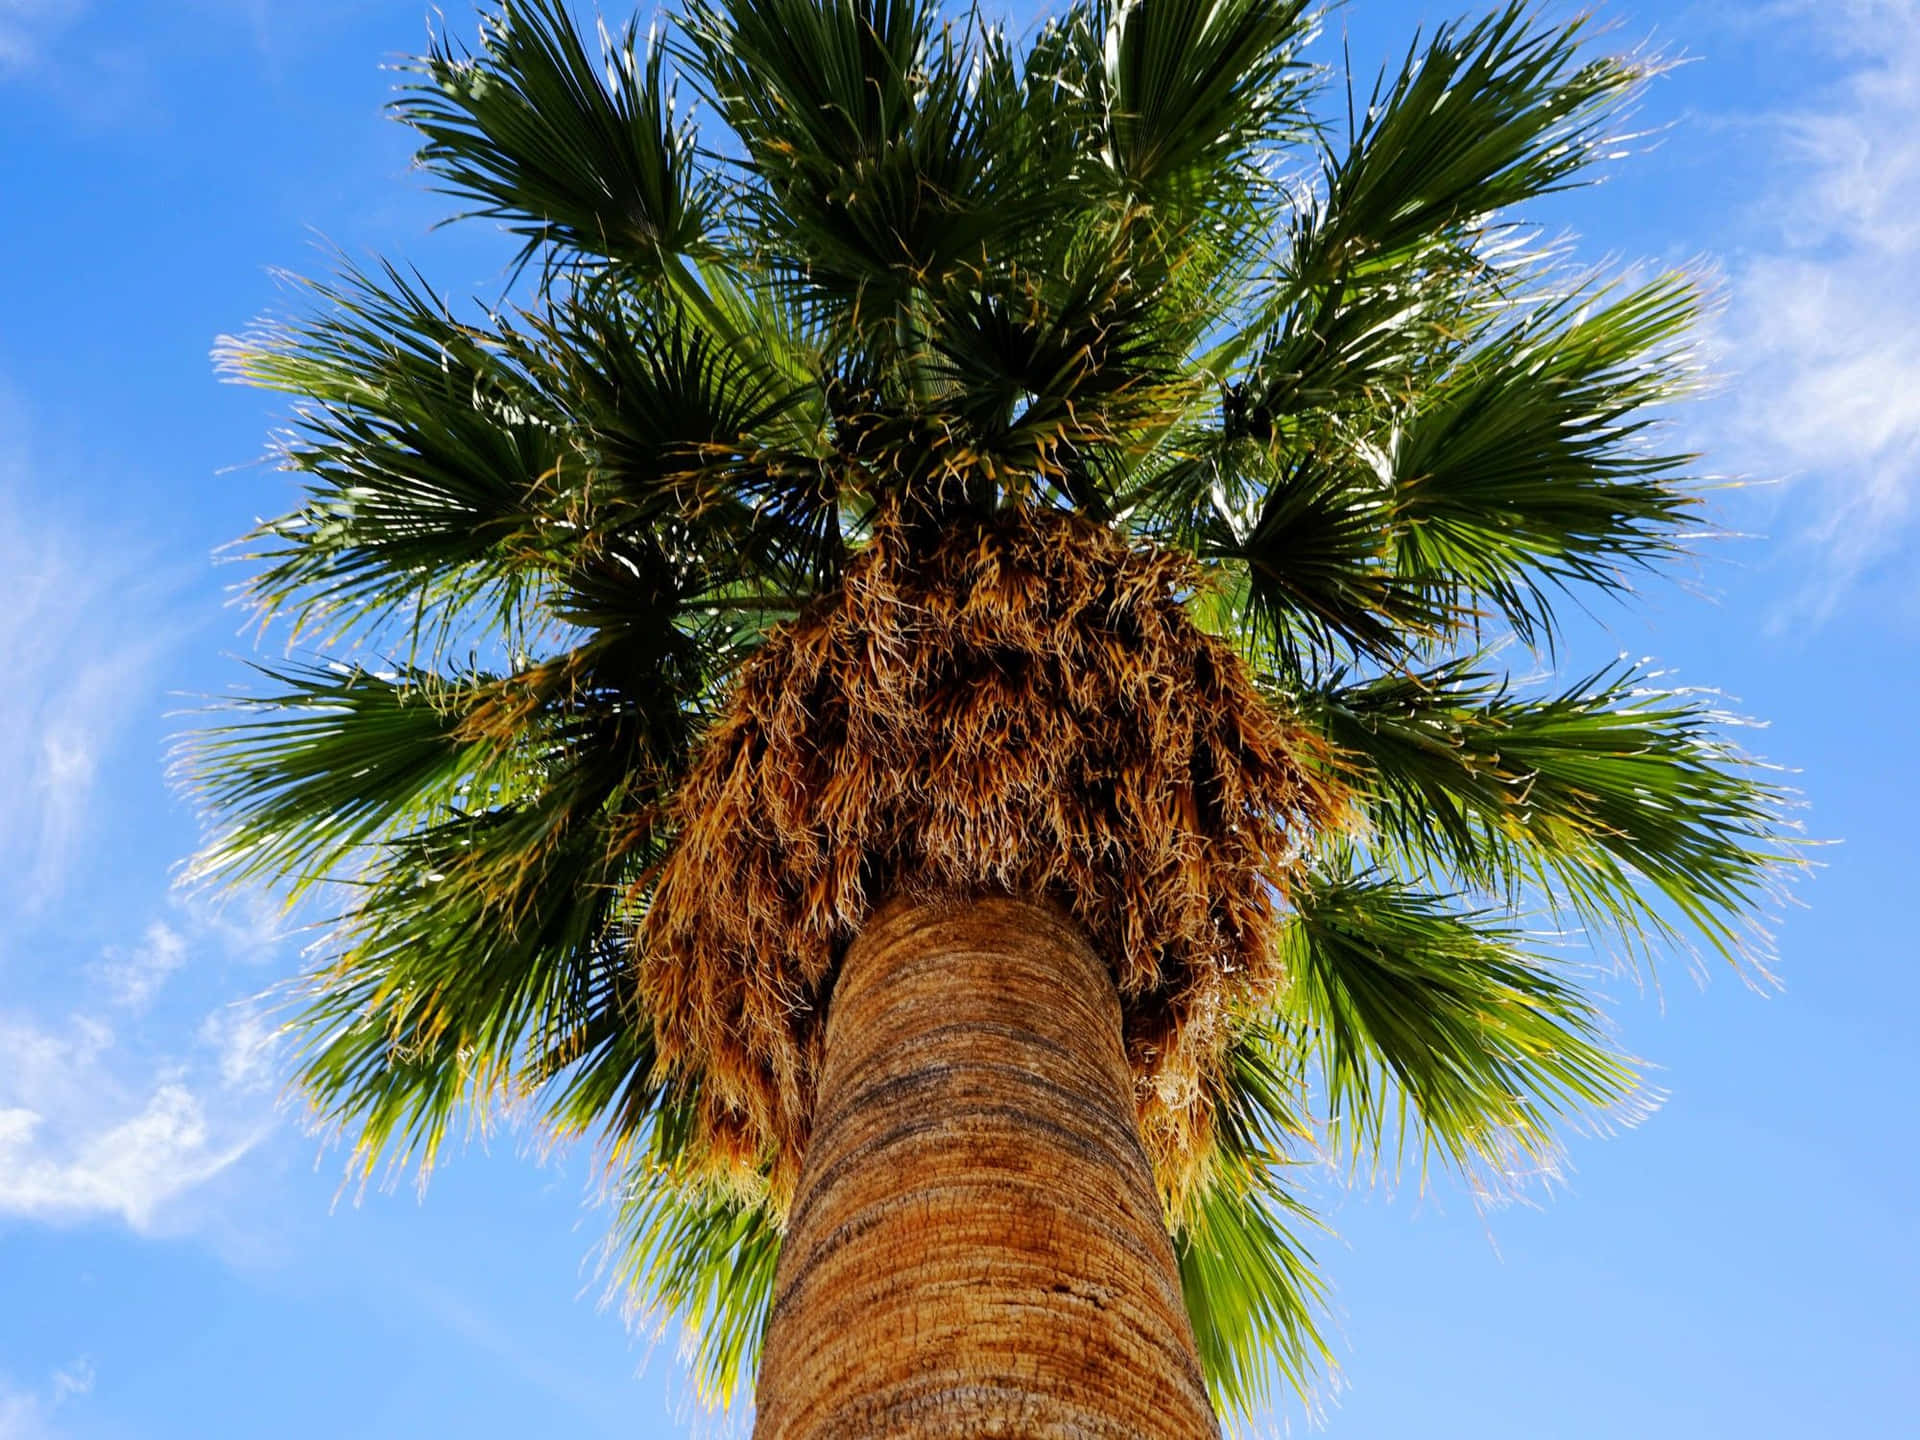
x=23 y=1415
x=72 y=1380
x=133 y=977
x=25 y=28
x=248 y=924
x=82 y=634
x=245 y=1044
x=121 y=1120
x=93 y=1127
x=28 y=1414
x=130 y=1169
x=77 y=1140
x=1823 y=321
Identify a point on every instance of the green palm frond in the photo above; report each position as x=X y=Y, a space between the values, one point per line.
x=1614 y=799
x=487 y=828
x=483 y=964
x=338 y=759
x=562 y=150
x=1253 y=1293
x=1252 y=1289
x=1521 y=466
x=1409 y=238
x=1433 y=1025
x=866 y=155
x=1481 y=118
x=680 y=437
x=707 y=1262
x=474 y=969
x=1318 y=563
x=423 y=447
x=1196 y=90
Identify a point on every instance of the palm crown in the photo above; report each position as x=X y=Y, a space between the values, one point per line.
x=1293 y=423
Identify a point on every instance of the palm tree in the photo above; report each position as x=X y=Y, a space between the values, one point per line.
x=947 y=674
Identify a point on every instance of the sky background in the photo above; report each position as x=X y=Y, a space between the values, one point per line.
x=177 y=1257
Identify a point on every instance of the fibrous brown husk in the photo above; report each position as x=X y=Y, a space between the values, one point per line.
x=1022 y=706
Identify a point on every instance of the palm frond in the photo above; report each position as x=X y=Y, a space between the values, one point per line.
x=1252 y=1290
x=473 y=966
x=1615 y=799
x=1434 y=1025
x=481 y=966
x=1197 y=91
x=865 y=155
x=1521 y=466
x=1408 y=247
x=707 y=1262
x=1048 y=372
x=423 y=447
x=562 y=150
x=704 y=456
x=1253 y=1294
x=464 y=477
x=339 y=758
x=483 y=830
x=1317 y=558
x=1480 y=119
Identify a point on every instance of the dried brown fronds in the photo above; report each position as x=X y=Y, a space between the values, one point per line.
x=1020 y=706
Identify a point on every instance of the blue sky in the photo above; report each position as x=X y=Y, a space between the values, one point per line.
x=176 y=1254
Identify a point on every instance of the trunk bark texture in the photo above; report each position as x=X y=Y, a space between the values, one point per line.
x=976 y=1246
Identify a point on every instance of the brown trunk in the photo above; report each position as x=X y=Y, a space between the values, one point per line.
x=976 y=1246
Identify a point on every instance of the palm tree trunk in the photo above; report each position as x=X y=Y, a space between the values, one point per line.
x=976 y=1245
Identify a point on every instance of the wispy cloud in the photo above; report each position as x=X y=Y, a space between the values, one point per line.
x=27 y=1414
x=94 y=1124
x=72 y=1380
x=23 y=1414
x=1823 y=320
x=134 y=976
x=245 y=1043
x=26 y=26
x=130 y=1169
x=82 y=632
x=76 y=1142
